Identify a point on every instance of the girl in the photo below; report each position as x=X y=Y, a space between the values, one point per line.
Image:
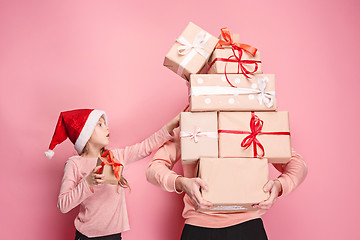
x=102 y=213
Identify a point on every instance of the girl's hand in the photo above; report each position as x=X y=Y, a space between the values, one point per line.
x=94 y=178
x=274 y=187
x=191 y=186
x=174 y=123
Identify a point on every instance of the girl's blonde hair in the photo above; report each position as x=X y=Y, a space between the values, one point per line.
x=122 y=182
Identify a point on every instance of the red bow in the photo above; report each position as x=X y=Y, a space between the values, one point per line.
x=236 y=47
x=110 y=161
x=256 y=125
x=229 y=41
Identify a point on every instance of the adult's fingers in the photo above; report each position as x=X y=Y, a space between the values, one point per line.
x=201 y=183
x=270 y=201
x=202 y=203
x=268 y=186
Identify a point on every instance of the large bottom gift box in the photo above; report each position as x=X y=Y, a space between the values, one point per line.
x=255 y=134
x=234 y=184
x=198 y=136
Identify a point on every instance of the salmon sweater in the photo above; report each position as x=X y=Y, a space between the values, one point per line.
x=159 y=172
x=102 y=207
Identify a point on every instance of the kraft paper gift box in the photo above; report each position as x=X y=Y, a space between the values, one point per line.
x=108 y=170
x=234 y=61
x=231 y=56
x=255 y=134
x=233 y=92
x=234 y=184
x=198 y=136
x=191 y=51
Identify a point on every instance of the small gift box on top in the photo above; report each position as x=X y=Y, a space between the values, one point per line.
x=111 y=168
x=255 y=134
x=231 y=56
x=232 y=92
x=234 y=184
x=191 y=51
x=198 y=136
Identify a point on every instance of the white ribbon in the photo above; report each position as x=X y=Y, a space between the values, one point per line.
x=190 y=50
x=197 y=133
x=266 y=97
x=263 y=97
x=228 y=208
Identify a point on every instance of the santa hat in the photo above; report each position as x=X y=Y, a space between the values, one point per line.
x=77 y=125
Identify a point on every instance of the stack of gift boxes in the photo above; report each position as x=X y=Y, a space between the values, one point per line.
x=233 y=129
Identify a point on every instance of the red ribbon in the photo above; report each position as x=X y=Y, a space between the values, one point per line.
x=256 y=125
x=110 y=161
x=229 y=41
x=239 y=47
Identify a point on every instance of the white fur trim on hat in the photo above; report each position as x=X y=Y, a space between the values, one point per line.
x=49 y=154
x=88 y=129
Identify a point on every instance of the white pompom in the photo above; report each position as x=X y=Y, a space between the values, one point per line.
x=49 y=154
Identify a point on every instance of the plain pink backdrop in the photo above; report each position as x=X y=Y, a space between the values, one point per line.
x=60 y=55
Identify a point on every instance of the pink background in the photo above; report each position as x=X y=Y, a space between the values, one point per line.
x=60 y=55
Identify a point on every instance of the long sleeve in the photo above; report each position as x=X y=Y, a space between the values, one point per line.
x=293 y=173
x=146 y=147
x=159 y=171
x=73 y=190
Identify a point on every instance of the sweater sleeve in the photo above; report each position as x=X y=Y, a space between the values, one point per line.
x=159 y=171
x=146 y=147
x=293 y=173
x=72 y=191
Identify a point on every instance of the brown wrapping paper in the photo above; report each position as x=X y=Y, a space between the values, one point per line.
x=206 y=145
x=277 y=147
x=212 y=92
x=195 y=63
x=234 y=184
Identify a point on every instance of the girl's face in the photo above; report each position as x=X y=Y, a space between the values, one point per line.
x=101 y=136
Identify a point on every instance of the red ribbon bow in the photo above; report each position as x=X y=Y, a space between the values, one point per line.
x=256 y=125
x=236 y=47
x=110 y=161
x=229 y=41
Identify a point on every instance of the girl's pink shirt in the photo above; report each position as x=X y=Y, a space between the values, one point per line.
x=102 y=207
x=159 y=172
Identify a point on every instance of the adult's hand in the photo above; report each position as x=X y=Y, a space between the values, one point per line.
x=274 y=187
x=191 y=186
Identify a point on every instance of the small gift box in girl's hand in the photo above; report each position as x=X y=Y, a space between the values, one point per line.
x=191 y=51
x=232 y=92
x=231 y=56
x=198 y=136
x=112 y=169
x=255 y=134
x=234 y=184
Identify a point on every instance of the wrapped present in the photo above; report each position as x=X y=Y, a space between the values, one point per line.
x=198 y=136
x=255 y=134
x=110 y=167
x=234 y=184
x=191 y=51
x=230 y=56
x=215 y=92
